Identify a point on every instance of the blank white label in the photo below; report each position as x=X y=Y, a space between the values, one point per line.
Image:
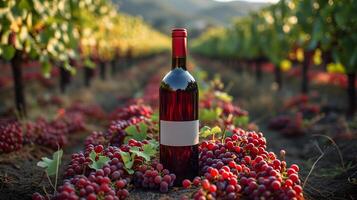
x=179 y=133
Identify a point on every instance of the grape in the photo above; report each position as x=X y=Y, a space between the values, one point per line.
x=164 y=187
x=11 y=137
x=131 y=111
x=148 y=177
x=186 y=183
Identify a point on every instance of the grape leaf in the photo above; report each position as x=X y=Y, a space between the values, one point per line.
x=128 y=160
x=149 y=150
x=216 y=130
x=51 y=165
x=223 y=96
x=241 y=121
x=97 y=164
x=8 y=52
x=138 y=152
x=210 y=114
x=88 y=63
x=133 y=132
x=205 y=131
x=155 y=117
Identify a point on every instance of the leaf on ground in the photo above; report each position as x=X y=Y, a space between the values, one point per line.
x=51 y=165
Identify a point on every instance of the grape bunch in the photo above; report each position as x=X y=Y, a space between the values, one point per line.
x=11 y=137
x=91 y=111
x=53 y=134
x=115 y=134
x=229 y=108
x=95 y=186
x=240 y=165
x=288 y=125
x=130 y=111
x=154 y=177
x=151 y=96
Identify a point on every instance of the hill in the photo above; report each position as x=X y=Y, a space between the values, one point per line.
x=193 y=14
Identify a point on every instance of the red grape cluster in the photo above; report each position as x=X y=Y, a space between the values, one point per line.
x=53 y=134
x=111 y=181
x=96 y=186
x=288 y=125
x=151 y=96
x=154 y=177
x=125 y=113
x=240 y=165
x=11 y=137
x=90 y=111
x=115 y=134
x=302 y=103
x=211 y=101
x=53 y=100
x=229 y=108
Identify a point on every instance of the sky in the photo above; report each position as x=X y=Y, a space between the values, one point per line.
x=269 y=1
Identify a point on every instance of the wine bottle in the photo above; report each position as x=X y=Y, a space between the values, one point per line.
x=179 y=114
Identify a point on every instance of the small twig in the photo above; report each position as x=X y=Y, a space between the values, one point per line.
x=229 y=87
x=337 y=148
x=44 y=189
x=57 y=167
x=315 y=119
x=313 y=165
x=49 y=180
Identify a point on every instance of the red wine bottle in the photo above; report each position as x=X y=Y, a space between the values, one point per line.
x=179 y=114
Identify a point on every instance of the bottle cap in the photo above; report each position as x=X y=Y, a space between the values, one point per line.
x=179 y=32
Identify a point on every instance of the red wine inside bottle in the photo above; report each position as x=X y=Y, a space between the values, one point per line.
x=179 y=114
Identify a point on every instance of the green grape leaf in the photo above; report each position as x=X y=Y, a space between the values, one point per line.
x=155 y=117
x=24 y=4
x=205 y=131
x=51 y=165
x=216 y=130
x=241 y=121
x=128 y=160
x=209 y=114
x=223 y=96
x=97 y=163
x=46 y=69
x=138 y=152
x=89 y=63
x=137 y=133
x=8 y=52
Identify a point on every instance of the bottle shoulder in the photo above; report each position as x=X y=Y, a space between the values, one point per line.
x=178 y=79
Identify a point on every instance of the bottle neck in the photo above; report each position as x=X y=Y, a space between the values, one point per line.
x=179 y=63
x=179 y=51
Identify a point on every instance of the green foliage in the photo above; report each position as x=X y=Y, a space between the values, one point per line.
x=207 y=131
x=147 y=152
x=241 y=121
x=208 y=115
x=128 y=160
x=137 y=132
x=51 y=165
x=277 y=30
x=97 y=163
